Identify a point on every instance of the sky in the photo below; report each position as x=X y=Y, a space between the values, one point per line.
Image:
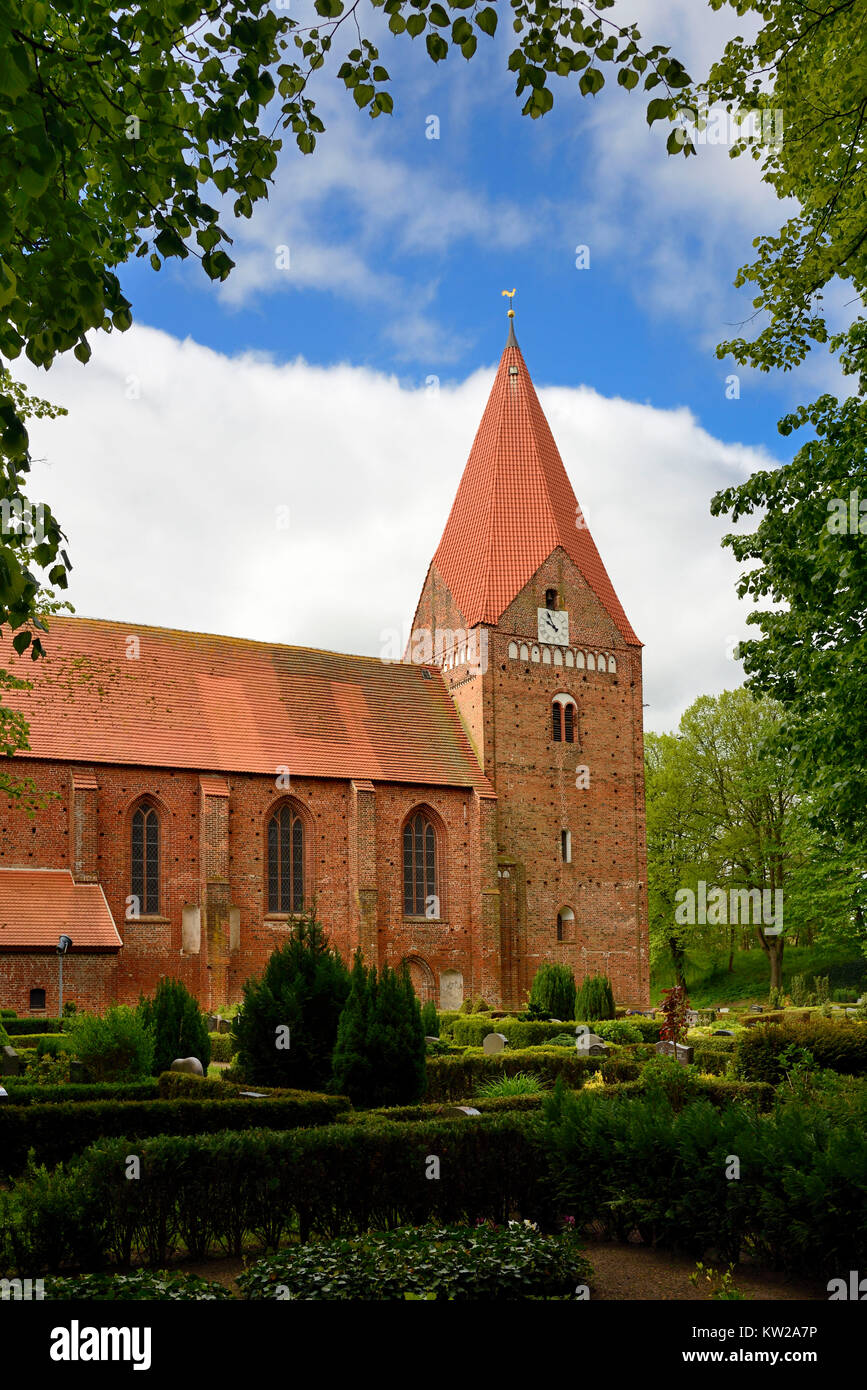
x=275 y=457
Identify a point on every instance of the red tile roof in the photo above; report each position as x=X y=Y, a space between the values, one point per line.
x=515 y=505
x=224 y=704
x=38 y=905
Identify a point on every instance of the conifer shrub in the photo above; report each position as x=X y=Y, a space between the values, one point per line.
x=430 y=1019
x=553 y=990
x=595 y=998
x=380 y=1053
x=285 y=1031
x=177 y=1025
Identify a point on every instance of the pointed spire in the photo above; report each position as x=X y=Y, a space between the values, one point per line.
x=514 y=506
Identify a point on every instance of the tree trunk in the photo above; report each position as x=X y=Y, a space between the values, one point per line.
x=678 y=958
x=773 y=949
x=731 y=950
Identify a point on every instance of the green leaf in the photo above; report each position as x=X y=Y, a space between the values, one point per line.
x=627 y=78
x=437 y=47
x=487 y=20
x=591 y=82
x=658 y=109
x=363 y=94
x=416 y=24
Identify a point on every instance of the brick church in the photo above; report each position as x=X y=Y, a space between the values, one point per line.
x=473 y=810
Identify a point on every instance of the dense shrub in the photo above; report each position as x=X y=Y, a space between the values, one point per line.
x=457 y=1078
x=176 y=1023
x=618 y=1030
x=7 y=1013
x=458 y=1262
x=471 y=1032
x=841 y=1047
x=520 y=1083
x=447 y=1021
x=285 y=1032
x=163 y=1285
x=595 y=998
x=800 y=1201
x=553 y=990
x=430 y=1019
x=57 y=1131
x=380 y=1054
x=114 y=1046
x=214 y=1191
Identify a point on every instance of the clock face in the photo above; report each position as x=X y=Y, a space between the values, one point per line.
x=554 y=626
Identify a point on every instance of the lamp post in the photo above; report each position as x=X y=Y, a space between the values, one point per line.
x=63 y=946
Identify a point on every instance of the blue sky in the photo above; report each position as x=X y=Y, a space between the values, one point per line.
x=499 y=200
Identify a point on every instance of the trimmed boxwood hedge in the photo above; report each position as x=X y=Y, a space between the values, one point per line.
x=58 y=1131
x=840 y=1047
x=457 y=1078
x=16 y=1027
x=214 y=1191
x=24 y=1041
x=22 y=1094
x=222 y=1047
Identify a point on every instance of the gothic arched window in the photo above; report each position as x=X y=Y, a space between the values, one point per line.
x=285 y=861
x=420 y=867
x=145 y=860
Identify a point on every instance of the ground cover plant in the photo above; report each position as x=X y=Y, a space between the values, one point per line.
x=161 y=1285
x=461 y=1263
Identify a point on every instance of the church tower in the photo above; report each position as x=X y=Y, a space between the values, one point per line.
x=545 y=670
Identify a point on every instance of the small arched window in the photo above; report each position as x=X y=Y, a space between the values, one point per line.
x=145 y=860
x=37 y=999
x=563 y=712
x=565 y=924
x=420 y=867
x=550 y=598
x=286 y=861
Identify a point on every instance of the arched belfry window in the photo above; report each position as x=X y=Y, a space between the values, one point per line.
x=145 y=860
x=285 y=861
x=563 y=719
x=420 y=895
x=565 y=924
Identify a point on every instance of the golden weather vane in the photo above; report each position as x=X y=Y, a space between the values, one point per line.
x=510 y=295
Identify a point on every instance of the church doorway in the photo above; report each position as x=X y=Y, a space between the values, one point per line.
x=422 y=978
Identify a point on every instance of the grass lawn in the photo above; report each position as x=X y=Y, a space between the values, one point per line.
x=710 y=984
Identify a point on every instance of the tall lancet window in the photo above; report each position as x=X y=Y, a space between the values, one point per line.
x=286 y=861
x=145 y=860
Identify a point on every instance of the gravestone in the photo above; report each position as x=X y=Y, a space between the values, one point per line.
x=692 y=1018
x=253 y=1095
x=493 y=1043
x=756 y=1009
x=10 y=1062
x=77 y=1071
x=191 y=1065
x=224 y=1025
x=212 y=1023
x=725 y=1011
x=461 y=1111
x=429 y=1038
x=4 y=1094
x=680 y=1051
x=590 y=1044
x=722 y=1033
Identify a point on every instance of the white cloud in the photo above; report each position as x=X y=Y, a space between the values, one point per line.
x=171 y=501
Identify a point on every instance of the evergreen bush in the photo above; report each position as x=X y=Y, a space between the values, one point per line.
x=595 y=998
x=286 y=1029
x=553 y=989
x=430 y=1019
x=177 y=1025
x=380 y=1057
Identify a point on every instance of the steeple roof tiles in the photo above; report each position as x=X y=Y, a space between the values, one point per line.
x=514 y=506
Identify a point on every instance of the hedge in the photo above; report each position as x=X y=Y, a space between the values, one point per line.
x=211 y=1192
x=841 y=1047
x=413 y=1114
x=57 y=1131
x=51 y=1095
x=23 y=1042
x=222 y=1047
x=799 y=1202
x=457 y=1078
x=16 y=1027
x=173 y=1084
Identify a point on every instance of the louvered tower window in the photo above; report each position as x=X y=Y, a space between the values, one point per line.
x=285 y=861
x=146 y=860
x=419 y=866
